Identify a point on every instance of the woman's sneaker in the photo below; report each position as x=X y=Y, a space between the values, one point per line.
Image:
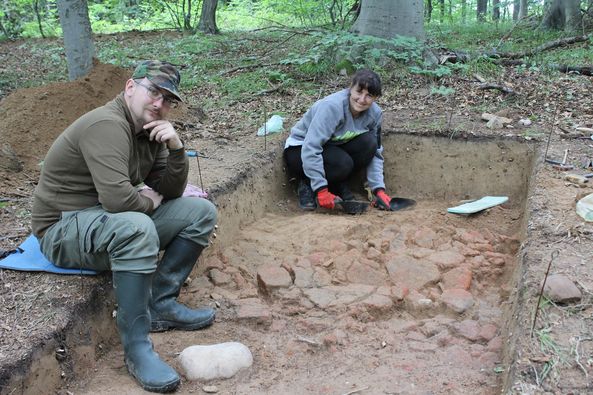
x=306 y=196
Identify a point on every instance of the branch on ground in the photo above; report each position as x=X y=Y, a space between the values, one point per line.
x=541 y=48
x=504 y=89
x=563 y=68
x=249 y=66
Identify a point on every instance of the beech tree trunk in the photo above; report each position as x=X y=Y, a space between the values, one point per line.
x=563 y=15
x=207 y=22
x=523 y=9
x=78 y=39
x=495 y=10
x=573 y=15
x=389 y=18
x=428 y=11
x=482 y=10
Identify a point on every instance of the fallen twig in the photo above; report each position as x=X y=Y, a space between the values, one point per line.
x=536 y=375
x=576 y=352
x=563 y=68
x=271 y=90
x=501 y=88
x=356 y=390
x=249 y=66
x=308 y=341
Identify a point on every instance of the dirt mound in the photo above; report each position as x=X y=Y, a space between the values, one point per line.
x=30 y=119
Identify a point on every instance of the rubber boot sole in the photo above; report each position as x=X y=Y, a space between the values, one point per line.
x=162 y=389
x=165 y=325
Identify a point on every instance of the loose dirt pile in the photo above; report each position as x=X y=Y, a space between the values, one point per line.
x=31 y=119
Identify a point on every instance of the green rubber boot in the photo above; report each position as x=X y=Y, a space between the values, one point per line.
x=165 y=312
x=133 y=321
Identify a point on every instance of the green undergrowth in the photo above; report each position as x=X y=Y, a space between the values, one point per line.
x=483 y=42
x=242 y=65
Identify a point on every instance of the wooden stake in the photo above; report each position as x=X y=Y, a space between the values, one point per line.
x=265 y=128
x=554 y=255
x=550 y=134
x=199 y=171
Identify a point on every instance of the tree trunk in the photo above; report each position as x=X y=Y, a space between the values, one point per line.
x=38 y=15
x=554 y=17
x=516 y=6
x=207 y=22
x=573 y=15
x=428 y=12
x=496 y=10
x=523 y=9
x=442 y=15
x=563 y=15
x=78 y=39
x=482 y=9
x=187 y=16
x=388 y=18
x=463 y=10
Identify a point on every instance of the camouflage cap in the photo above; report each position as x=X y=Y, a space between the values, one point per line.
x=162 y=74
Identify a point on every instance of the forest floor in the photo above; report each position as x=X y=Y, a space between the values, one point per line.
x=348 y=323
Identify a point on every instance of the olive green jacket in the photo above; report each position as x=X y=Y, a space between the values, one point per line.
x=99 y=159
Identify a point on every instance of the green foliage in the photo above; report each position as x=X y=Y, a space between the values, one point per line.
x=13 y=15
x=249 y=14
x=243 y=84
x=483 y=41
x=344 y=48
x=549 y=347
x=277 y=77
x=429 y=71
x=441 y=91
x=481 y=65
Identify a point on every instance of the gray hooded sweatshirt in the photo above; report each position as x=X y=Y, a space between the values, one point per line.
x=329 y=121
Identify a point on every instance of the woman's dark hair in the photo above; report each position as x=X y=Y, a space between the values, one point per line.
x=369 y=80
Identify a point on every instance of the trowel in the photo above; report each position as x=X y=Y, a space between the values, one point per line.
x=352 y=206
x=398 y=203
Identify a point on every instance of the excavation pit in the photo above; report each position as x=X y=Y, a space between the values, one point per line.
x=415 y=301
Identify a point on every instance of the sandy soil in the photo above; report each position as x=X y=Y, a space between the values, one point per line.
x=409 y=302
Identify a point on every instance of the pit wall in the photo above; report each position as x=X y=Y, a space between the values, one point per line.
x=446 y=169
x=248 y=196
x=519 y=314
x=71 y=352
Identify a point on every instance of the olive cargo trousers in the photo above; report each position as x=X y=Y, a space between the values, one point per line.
x=128 y=241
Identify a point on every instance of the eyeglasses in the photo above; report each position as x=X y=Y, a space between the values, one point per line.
x=157 y=95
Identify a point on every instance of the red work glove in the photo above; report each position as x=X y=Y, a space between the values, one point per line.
x=381 y=200
x=326 y=199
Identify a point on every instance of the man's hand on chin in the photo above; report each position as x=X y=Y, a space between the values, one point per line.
x=164 y=132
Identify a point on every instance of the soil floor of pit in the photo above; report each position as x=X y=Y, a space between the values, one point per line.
x=387 y=303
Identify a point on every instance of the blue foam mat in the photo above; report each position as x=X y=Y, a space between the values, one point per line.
x=478 y=205
x=30 y=259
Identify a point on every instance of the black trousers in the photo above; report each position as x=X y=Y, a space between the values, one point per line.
x=339 y=161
